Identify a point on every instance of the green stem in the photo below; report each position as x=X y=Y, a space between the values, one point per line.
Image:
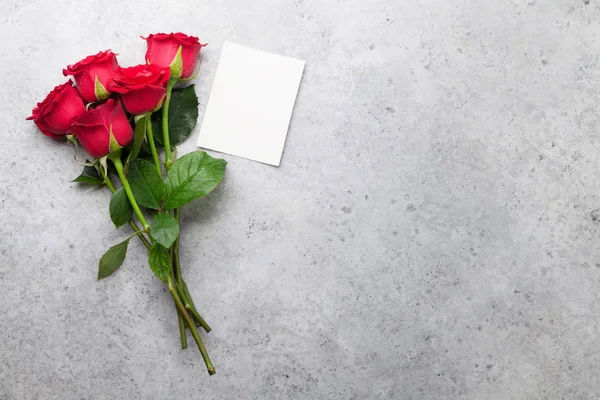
x=183 y=293
x=165 y=125
x=132 y=223
x=151 y=143
x=176 y=264
x=189 y=304
x=116 y=159
x=197 y=317
x=182 y=333
x=189 y=297
x=107 y=180
x=175 y=248
x=190 y=323
x=135 y=228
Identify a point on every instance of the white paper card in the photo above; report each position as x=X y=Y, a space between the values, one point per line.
x=251 y=103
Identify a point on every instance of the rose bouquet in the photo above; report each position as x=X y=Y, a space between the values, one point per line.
x=126 y=119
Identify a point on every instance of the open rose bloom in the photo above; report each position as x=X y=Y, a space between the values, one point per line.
x=55 y=114
x=120 y=116
x=142 y=88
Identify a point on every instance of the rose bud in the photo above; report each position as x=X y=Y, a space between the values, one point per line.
x=163 y=48
x=142 y=88
x=103 y=129
x=92 y=75
x=55 y=114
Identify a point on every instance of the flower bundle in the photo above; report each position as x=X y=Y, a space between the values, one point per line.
x=129 y=119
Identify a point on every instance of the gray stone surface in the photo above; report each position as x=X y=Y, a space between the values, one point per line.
x=432 y=232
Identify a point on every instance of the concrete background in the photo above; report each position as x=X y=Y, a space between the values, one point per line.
x=432 y=232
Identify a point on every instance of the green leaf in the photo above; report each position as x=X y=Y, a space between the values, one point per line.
x=159 y=261
x=138 y=140
x=164 y=229
x=89 y=176
x=146 y=184
x=120 y=208
x=183 y=114
x=112 y=259
x=192 y=176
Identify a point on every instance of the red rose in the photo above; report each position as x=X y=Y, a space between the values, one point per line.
x=142 y=87
x=94 y=127
x=92 y=75
x=162 y=49
x=55 y=114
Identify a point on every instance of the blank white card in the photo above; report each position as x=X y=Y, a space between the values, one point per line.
x=251 y=103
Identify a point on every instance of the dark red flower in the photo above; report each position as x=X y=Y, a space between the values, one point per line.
x=97 y=68
x=94 y=127
x=162 y=48
x=142 y=87
x=55 y=114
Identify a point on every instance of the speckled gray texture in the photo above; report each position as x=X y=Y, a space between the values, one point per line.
x=432 y=232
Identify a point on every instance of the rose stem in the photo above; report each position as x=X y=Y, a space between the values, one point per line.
x=151 y=142
x=168 y=155
x=132 y=223
x=197 y=316
x=165 y=124
x=176 y=271
x=168 y=163
x=182 y=333
x=189 y=305
x=177 y=265
x=187 y=302
x=116 y=159
x=190 y=324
